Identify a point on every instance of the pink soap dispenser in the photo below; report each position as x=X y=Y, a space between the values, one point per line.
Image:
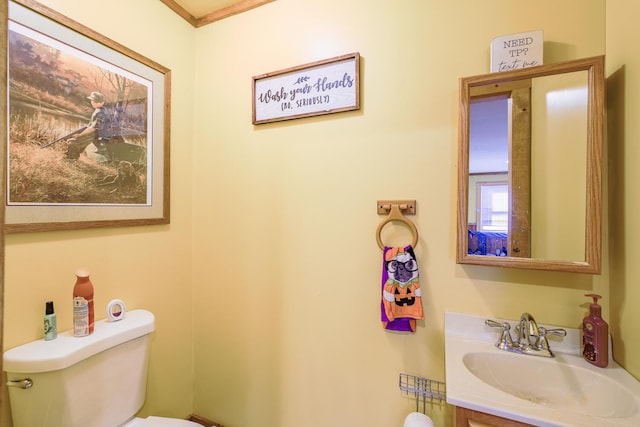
x=595 y=335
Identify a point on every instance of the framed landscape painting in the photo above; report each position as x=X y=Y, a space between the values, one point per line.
x=88 y=127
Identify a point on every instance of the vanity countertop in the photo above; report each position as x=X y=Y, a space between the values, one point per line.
x=563 y=391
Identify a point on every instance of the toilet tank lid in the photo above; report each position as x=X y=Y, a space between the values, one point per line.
x=67 y=350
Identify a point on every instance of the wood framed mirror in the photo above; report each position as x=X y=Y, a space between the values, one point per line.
x=530 y=167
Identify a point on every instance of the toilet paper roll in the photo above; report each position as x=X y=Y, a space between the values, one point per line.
x=417 y=419
x=116 y=310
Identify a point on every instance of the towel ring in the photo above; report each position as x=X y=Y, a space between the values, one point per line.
x=396 y=215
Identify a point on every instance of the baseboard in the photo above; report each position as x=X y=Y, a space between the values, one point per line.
x=203 y=421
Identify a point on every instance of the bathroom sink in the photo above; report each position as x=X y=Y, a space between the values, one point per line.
x=562 y=391
x=552 y=383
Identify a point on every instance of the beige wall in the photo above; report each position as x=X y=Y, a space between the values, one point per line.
x=623 y=85
x=265 y=285
x=286 y=266
x=559 y=194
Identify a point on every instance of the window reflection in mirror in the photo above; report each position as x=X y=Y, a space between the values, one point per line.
x=493 y=206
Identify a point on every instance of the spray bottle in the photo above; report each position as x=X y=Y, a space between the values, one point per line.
x=83 y=314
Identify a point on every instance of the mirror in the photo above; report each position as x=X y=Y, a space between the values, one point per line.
x=530 y=167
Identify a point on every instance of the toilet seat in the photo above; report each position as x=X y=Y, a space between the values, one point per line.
x=160 y=422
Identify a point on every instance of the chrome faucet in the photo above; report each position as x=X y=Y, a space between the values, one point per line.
x=531 y=338
x=528 y=331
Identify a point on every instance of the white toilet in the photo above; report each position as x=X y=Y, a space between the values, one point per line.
x=94 y=381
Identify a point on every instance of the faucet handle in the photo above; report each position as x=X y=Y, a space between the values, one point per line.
x=558 y=331
x=495 y=324
x=504 y=342
x=543 y=344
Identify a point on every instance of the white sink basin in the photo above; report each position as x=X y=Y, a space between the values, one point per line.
x=547 y=392
x=552 y=383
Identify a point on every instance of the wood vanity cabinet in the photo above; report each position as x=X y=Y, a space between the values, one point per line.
x=469 y=418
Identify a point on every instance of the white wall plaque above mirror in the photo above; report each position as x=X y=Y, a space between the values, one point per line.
x=540 y=207
x=517 y=51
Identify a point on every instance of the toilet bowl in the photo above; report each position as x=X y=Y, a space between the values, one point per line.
x=93 y=381
x=159 y=422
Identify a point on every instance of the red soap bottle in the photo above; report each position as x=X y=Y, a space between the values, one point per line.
x=595 y=335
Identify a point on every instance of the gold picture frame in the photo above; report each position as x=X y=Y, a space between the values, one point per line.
x=122 y=177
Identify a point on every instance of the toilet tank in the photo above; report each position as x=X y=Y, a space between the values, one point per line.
x=98 y=380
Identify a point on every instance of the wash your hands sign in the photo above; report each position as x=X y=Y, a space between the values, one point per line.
x=322 y=87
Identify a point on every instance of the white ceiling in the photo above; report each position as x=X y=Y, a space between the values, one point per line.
x=203 y=12
x=199 y=8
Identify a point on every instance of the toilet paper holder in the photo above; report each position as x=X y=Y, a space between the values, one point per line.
x=423 y=389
